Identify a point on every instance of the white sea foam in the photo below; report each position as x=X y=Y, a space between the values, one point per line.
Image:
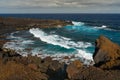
x=77 y=23
x=58 y=40
x=84 y=54
x=12 y=36
x=105 y=28
x=17 y=43
x=86 y=58
x=102 y=27
x=27 y=42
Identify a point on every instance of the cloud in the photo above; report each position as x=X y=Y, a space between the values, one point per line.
x=57 y=3
x=61 y=5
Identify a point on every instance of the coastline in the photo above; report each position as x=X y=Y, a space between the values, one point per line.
x=105 y=68
x=11 y=24
x=19 y=24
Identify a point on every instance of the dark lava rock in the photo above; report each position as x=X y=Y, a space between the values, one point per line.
x=56 y=71
x=9 y=53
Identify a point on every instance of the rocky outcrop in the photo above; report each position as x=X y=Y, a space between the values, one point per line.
x=107 y=53
x=16 y=71
x=9 y=53
x=12 y=24
x=78 y=71
x=32 y=22
x=29 y=68
x=107 y=62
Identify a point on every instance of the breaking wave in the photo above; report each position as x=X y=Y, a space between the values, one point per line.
x=63 y=42
x=77 y=23
x=58 y=40
x=102 y=27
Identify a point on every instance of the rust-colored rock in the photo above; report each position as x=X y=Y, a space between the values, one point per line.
x=73 y=68
x=33 y=66
x=106 y=51
x=76 y=71
x=66 y=57
x=17 y=71
x=91 y=73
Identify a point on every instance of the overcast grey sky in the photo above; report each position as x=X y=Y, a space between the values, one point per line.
x=59 y=6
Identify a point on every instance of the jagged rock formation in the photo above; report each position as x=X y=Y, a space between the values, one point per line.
x=106 y=57
x=16 y=67
x=107 y=53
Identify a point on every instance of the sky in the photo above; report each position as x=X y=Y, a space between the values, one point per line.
x=59 y=6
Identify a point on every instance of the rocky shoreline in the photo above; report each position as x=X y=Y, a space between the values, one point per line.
x=11 y=24
x=16 y=67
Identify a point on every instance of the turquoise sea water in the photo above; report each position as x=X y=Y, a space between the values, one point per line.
x=75 y=41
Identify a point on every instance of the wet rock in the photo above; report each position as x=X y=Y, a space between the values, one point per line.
x=2 y=42
x=66 y=57
x=9 y=53
x=107 y=53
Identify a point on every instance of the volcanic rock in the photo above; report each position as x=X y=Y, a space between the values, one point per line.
x=78 y=71
x=56 y=70
x=73 y=68
x=107 y=53
x=33 y=66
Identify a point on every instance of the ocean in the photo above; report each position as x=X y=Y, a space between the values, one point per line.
x=75 y=41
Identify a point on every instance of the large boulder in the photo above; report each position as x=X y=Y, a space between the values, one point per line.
x=107 y=53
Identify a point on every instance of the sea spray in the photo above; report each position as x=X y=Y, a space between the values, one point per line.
x=58 y=40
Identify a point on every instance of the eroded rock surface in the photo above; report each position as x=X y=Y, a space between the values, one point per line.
x=107 y=53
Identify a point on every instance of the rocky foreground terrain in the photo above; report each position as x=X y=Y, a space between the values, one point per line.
x=16 y=67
